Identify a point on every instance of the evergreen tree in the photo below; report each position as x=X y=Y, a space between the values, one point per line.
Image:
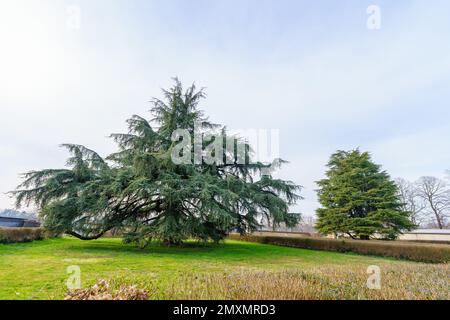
x=141 y=192
x=358 y=199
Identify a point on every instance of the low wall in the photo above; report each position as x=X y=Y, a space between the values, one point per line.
x=445 y=237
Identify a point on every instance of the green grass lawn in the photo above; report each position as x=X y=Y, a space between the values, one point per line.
x=37 y=270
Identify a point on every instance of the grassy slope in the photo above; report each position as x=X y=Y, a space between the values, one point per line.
x=38 y=270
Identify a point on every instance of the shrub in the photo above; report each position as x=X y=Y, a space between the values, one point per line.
x=13 y=235
x=104 y=290
x=422 y=252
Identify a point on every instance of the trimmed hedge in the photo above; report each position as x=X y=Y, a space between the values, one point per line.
x=421 y=252
x=13 y=235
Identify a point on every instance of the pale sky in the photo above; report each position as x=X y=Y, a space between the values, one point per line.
x=309 y=68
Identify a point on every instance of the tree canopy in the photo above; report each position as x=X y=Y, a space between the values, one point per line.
x=359 y=199
x=142 y=193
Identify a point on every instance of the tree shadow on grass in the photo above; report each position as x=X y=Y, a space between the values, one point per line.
x=155 y=247
x=190 y=248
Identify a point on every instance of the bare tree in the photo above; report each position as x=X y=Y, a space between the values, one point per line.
x=436 y=193
x=307 y=224
x=411 y=201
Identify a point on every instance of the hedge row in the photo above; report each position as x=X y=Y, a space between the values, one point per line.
x=433 y=253
x=13 y=235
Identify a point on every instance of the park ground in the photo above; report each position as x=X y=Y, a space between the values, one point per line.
x=229 y=270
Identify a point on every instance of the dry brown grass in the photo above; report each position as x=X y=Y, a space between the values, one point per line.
x=403 y=281
x=13 y=235
x=107 y=290
x=422 y=252
x=322 y=283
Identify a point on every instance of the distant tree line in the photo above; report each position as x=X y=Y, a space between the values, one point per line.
x=427 y=200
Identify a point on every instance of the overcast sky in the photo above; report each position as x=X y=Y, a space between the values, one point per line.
x=312 y=69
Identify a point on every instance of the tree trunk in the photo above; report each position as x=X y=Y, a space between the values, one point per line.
x=436 y=212
x=171 y=243
x=438 y=218
x=81 y=237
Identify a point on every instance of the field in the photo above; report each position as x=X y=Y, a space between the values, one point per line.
x=230 y=270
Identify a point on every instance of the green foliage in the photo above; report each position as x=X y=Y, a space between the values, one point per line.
x=140 y=192
x=359 y=200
